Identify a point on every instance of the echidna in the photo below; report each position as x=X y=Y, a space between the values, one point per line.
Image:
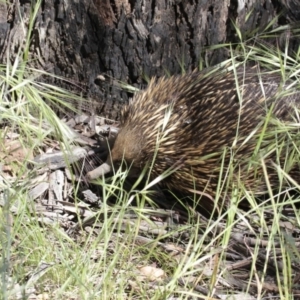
x=208 y=126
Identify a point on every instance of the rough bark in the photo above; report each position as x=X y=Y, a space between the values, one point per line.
x=129 y=40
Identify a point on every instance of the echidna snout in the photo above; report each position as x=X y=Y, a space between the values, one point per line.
x=105 y=168
x=125 y=149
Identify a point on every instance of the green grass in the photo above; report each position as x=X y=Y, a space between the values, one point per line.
x=107 y=259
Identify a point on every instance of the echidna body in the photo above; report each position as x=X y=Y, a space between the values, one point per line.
x=202 y=125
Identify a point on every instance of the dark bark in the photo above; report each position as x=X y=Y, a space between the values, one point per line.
x=130 y=40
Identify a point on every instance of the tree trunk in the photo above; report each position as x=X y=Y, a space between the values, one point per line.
x=129 y=40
